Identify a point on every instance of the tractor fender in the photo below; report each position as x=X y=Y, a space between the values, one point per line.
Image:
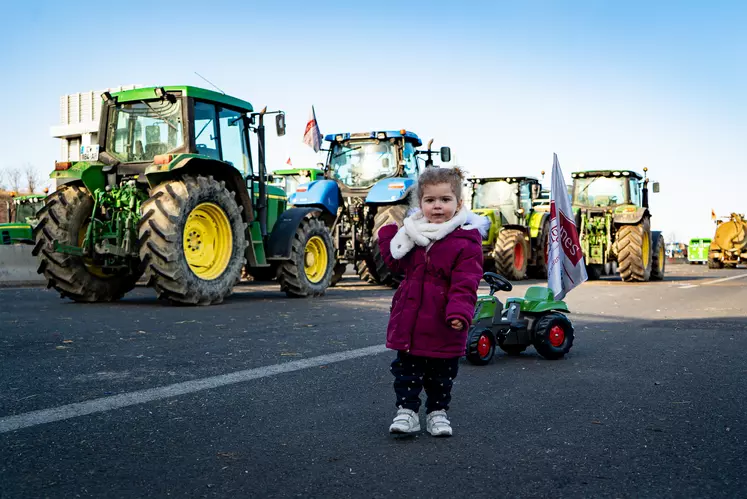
x=193 y=164
x=91 y=175
x=537 y=224
x=319 y=193
x=390 y=190
x=281 y=238
x=522 y=228
x=629 y=216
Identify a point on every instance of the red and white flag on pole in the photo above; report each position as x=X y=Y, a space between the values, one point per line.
x=566 y=268
x=312 y=136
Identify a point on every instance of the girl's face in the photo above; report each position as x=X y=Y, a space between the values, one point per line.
x=439 y=203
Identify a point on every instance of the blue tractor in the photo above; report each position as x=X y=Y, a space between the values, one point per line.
x=369 y=181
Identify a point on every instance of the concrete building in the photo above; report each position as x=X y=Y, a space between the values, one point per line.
x=79 y=121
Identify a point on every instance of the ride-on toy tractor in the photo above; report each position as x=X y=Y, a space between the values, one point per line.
x=536 y=319
x=170 y=193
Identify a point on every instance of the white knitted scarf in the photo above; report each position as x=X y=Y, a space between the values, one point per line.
x=417 y=230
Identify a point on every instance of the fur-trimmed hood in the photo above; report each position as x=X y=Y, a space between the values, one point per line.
x=416 y=230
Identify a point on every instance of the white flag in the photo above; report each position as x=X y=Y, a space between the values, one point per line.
x=312 y=136
x=565 y=261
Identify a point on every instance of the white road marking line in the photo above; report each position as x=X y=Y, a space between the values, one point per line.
x=740 y=276
x=12 y=423
x=686 y=286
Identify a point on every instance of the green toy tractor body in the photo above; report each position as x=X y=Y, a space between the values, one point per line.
x=536 y=319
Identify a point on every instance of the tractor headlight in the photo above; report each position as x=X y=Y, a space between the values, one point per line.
x=381 y=135
x=338 y=138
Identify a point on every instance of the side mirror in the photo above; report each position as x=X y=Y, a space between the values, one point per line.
x=656 y=187
x=280 y=124
x=445 y=155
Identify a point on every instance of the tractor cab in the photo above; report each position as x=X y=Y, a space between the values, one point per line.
x=609 y=189
x=511 y=198
x=290 y=179
x=359 y=160
x=26 y=208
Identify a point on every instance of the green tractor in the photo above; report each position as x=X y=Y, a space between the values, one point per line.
x=22 y=216
x=289 y=179
x=170 y=194
x=614 y=221
x=520 y=219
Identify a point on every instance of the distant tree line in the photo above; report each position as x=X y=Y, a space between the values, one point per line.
x=17 y=179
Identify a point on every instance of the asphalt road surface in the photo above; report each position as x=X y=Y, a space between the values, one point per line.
x=266 y=396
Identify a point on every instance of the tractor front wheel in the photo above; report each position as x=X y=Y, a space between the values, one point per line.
x=511 y=254
x=634 y=252
x=65 y=218
x=553 y=336
x=480 y=346
x=192 y=240
x=309 y=270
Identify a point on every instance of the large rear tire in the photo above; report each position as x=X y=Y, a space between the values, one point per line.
x=511 y=254
x=659 y=257
x=192 y=240
x=64 y=218
x=309 y=270
x=634 y=252
x=539 y=270
x=386 y=215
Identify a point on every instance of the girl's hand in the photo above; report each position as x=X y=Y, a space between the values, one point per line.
x=457 y=324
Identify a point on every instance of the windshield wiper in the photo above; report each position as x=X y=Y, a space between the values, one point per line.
x=160 y=115
x=346 y=151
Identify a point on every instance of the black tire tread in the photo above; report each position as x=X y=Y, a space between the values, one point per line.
x=543 y=324
x=658 y=242
x=386 y=215
x=70 y=205
x=291 y=273
x=503 y=254
x=630 y=252
x=161 y=247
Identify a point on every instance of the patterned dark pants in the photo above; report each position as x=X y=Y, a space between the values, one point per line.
x=412 y=374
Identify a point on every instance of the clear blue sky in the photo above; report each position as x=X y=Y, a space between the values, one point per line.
x=602 y=84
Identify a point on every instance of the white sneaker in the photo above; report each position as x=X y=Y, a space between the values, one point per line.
x=406 y=421
x=438 y=425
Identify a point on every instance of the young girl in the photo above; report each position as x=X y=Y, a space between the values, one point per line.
x=439 y=249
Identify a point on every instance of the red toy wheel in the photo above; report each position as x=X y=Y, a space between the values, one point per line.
x=553 y=336
x=557 y=336
x=480 y=346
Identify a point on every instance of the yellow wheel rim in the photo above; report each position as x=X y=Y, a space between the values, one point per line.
x=88 y=262
x=315 y=259
x=645 y=249
x=208 y=241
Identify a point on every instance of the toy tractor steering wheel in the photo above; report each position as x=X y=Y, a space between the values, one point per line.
x=497 y=282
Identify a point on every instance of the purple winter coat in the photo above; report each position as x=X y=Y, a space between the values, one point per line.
x=438 y=286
